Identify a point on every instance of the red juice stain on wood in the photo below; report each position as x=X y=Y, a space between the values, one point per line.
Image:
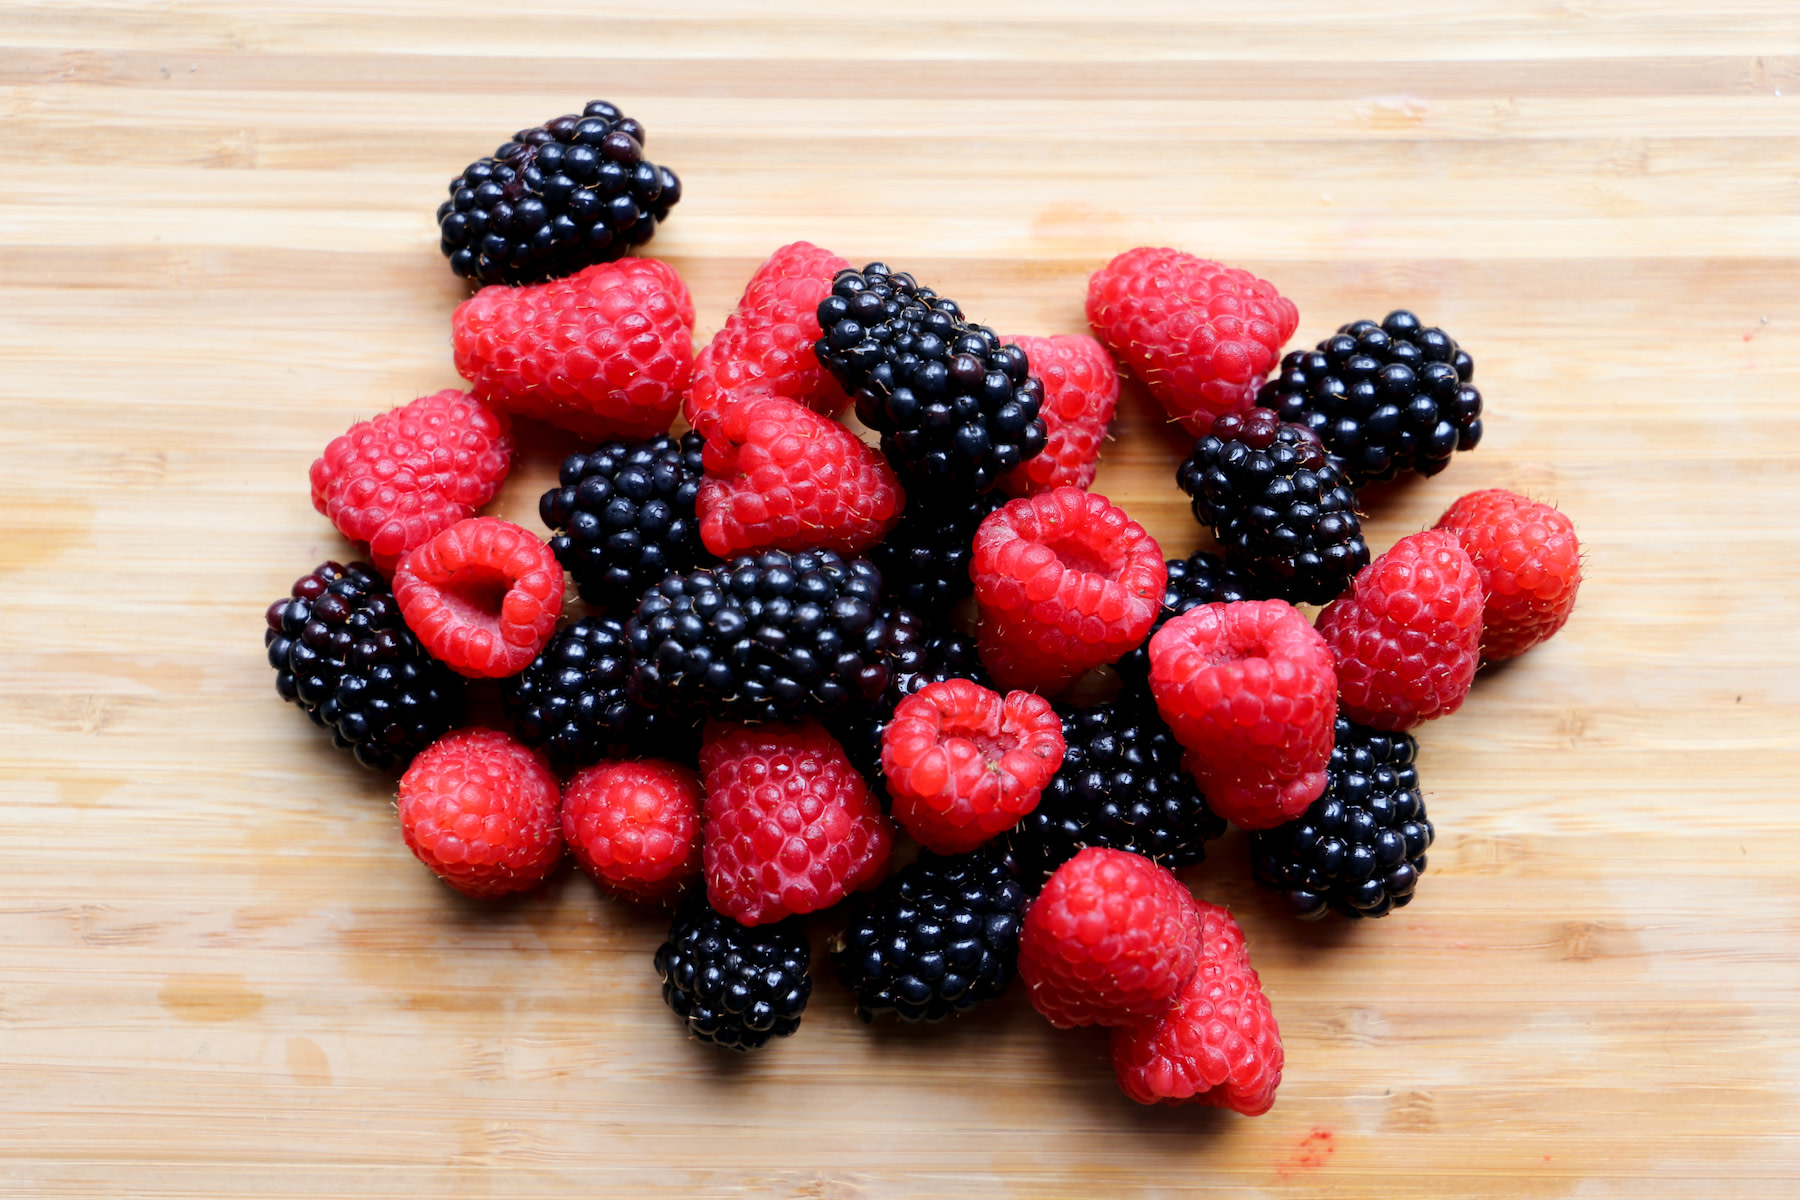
x=1311 y=1153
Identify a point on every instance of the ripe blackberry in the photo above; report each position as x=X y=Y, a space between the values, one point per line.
x=763 y=637
x=572 y=701
x=953 y=405
x=342 y=653
x=622 y=516
x=1360 y=849
x=1200 y=578
x=918 y=659
x=558 y=197
x=939 y=938
x=1121 y=786
x=925 y=557
x=1278 y=506
x=1383 y=398
x=735 y=986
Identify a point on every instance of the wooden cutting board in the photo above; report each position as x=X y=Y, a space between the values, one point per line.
x=222 y=974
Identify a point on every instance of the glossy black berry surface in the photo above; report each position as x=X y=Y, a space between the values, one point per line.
x=556 y=198
x=953 y=405
x=1201 y=578
x=1360 y=848
x=343 y=654
x=939 y=938
x=622 y=516
x=733 y=985
x=1383 y=398
x=925 y=556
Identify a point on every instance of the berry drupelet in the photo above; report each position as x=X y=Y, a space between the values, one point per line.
x=1121 y=786
x=558 y=197
x=1383 y=398
x=572 y=701
x=1200 y=578
x=925 y=557
x=939 y=938
x=342 y=653
x=622 y=516
x=735 y=986
x=919 y=658
x=1278 y=505
x=1360 y=849
x=952 y=404
x=763 y=637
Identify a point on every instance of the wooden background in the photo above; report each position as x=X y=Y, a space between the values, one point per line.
x=222 y=974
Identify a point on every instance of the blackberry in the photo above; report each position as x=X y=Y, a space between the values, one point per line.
x=735 y=986
x=572 y=700
x=1121 y=785
x=763 y=637
x=952 y=405
x=939 y=938
x=342 y=653
x=1383 y=398
x=1360 y=848
x=916 y=662
x=925 y=557
x=622 y=516
x=558 y=197
x=1278 y=506
x=1201 y=578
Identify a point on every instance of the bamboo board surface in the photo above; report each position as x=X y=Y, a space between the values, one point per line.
x=222 y=973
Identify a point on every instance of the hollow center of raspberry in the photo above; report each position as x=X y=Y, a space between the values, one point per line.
x=994 y=747
x=475 y=594
x=1077 y=555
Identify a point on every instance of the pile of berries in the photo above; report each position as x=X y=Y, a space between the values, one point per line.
x=796 y=654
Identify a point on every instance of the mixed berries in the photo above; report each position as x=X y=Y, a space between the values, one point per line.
x=800 y=649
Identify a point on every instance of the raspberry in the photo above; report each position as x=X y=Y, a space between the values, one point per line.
x=1111 y=939
x=963 y=765
x=483 y=596
x=480 y=810
x=766 y=346
x=1200 y=336
x=781 y=477
x=605 y=353
x=635 y=825
x=1218 y=1043
x=790 y=826
x=397 y=479
x=1248 y=688
x=1200 y=578
x=1064 y=582
x=917 y=658
x=1407 y=633
x=1530 y=565
x=1081 y=389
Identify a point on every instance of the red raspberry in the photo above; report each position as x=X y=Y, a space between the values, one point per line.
x=781 y=477
x=483 y=596
x=1200 y=336
x=397 y=479
x=1248 y=688
x=790 y=825
x=635 y=826
x=1110 y=940
x=1530 y=564
x=1218 y=1043
x=766 y=346
x=963 y=765
x=479 y=809
x=1407 y=633
x=605 y=352
x=1064 y=582
x=1081 y=390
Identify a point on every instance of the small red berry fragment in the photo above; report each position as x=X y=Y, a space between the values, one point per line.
x=635 y=826
x=1081 y=390
x=781 y=477
x=1530 y=564
x=480 y=810
x=790 y=826
x=398 y=478
x=962 y=764
x=483 y=596
x=1200 y=335
x=1110 y=940
x=1218 y=1044
x=1064 y=581
x=605 y=352
x=1249 y=689
x=766 y=346
x=1407 y=633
